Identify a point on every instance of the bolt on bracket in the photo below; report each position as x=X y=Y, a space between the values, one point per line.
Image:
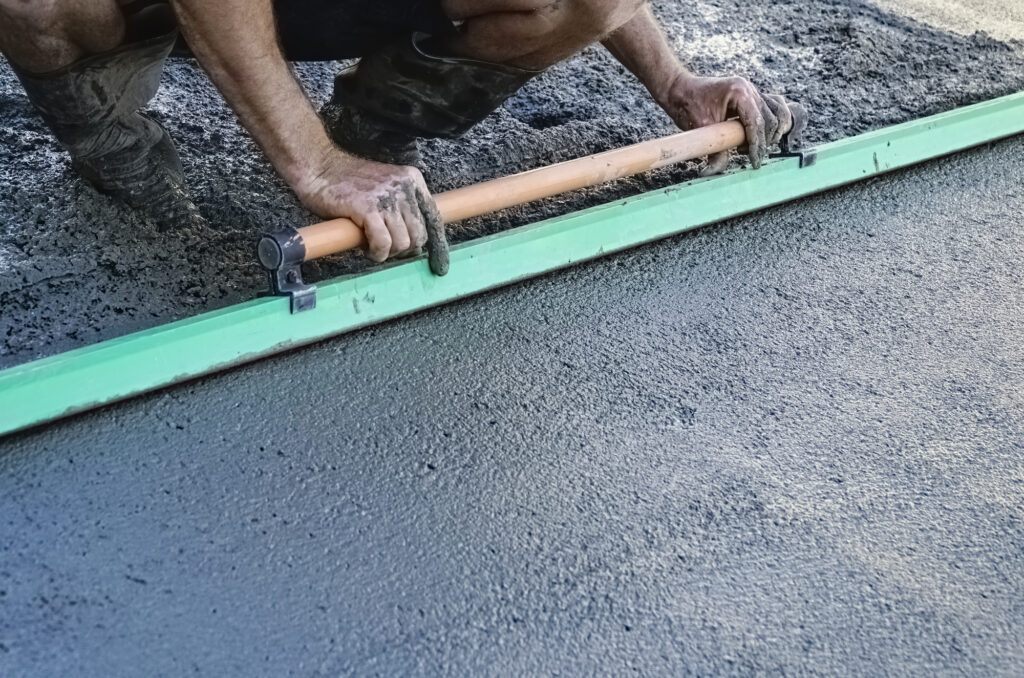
x=281 y=253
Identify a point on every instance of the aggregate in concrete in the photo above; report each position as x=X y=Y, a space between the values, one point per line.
x=788 y=445
x=76 y=268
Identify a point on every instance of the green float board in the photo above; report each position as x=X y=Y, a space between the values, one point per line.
x=72 y=382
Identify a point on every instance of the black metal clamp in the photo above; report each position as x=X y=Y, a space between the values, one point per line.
x=790 y=145
x=281 y=252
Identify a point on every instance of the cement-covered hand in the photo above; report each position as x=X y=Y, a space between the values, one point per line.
x=236 y=42
x=693 y=101
x=391 y=203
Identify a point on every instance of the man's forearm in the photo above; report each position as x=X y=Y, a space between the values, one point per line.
x=236 y=43
x=642 y=47
x=692 y=101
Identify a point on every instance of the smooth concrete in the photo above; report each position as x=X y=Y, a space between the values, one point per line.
x=787 y=445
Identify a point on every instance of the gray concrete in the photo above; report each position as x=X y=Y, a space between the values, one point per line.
x=788 y=444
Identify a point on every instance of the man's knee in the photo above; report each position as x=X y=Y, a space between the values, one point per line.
x=595 y=18
x=35 y=16
x=588 y=19
x=44 y=31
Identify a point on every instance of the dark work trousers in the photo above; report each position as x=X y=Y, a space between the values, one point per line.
x=325 y=30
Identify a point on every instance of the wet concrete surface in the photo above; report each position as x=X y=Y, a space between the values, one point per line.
x=787 y=445
x=76 y=268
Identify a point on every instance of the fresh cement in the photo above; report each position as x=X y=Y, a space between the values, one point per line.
x=787 y=445
x=76 y=268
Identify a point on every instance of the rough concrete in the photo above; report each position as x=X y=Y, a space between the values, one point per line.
x=788 y=445
x=75 y=268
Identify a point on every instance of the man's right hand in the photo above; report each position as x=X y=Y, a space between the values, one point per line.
x=390 y=203
x=236 y=42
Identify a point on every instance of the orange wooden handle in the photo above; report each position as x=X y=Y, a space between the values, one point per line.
x=338 y=235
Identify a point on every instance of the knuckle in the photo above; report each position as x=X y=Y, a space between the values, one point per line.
x=379 y=238
x=738 y=85
x=400 y=242
x=40 y=13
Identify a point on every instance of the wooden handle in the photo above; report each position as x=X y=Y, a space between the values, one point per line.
x=338 y=235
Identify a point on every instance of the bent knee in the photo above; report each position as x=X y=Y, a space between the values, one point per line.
x=53 y=18
x=31 y=15
x=535 y=33
x=42 y=30
x=595 y=19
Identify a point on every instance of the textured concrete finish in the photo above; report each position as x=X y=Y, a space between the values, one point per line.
x=791 y=444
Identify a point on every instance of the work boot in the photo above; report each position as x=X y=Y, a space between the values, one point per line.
x=404 y=91
x=92 y=107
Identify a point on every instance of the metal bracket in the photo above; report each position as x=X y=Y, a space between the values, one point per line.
x=791 y=142
x=807 y=156
x=281 y=253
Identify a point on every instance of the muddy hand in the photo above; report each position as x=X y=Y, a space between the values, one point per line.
x=390 y=203
x=437 y=239
x=695 y=101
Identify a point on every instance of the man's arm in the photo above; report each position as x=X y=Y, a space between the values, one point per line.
x=236 y=43
x=693 y=101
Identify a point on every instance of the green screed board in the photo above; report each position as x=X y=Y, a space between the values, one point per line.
x=89 y=377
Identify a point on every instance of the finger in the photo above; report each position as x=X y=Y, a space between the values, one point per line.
x=785 y=117
x=747 y=104
x=411 y=253
x=716 y=164
x=753 y=123
x=410 y=210
x=400 y=241
x=378 y=237
x=800 y=117
x=437 y=241
x=771 y=122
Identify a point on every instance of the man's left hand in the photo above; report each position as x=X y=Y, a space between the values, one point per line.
x=693 y=101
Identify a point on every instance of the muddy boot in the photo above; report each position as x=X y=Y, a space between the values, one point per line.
x=402 y=92
x=92 y=107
